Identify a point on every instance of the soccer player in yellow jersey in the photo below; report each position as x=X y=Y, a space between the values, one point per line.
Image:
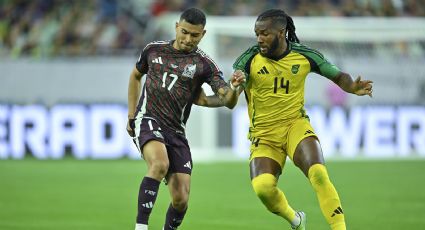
x=275 y=71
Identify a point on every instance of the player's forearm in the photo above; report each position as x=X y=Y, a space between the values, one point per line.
x=225 y=97
x=232 y=96
x=210 y=101
x=231 y=92
x=134 y=86
x=214 y=101
x=345 y=82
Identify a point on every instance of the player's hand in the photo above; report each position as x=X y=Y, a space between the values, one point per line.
x=237 y=79
x=362 y=87
x=130 y=127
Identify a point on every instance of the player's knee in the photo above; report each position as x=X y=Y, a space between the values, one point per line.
x=180 y=201
x=318 y=175
x=159 y=168
x=264 y=185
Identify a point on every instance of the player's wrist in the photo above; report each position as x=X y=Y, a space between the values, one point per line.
x=232 y=87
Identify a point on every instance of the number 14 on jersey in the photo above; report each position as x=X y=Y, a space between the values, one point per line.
x=280 y=83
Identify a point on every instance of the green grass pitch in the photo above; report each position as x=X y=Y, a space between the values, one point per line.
x=72 y=194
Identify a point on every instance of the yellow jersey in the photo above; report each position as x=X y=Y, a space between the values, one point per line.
x=274 y=88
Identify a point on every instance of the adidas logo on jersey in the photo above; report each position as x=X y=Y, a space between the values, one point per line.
x=308 y=132
x=188 y=165
x=157 y=60
x=337 y=211
x=263 y=71
x=148 y=205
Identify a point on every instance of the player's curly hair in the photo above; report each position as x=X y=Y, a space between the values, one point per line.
x=280 y=18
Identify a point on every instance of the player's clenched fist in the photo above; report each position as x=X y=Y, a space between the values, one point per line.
x=238 y=78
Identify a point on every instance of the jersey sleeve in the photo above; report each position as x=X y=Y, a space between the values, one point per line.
x=319 y=64
x=214 y=75
x=243 y=62
x=142 y=63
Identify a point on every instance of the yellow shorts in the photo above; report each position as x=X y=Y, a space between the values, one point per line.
x=291 y=135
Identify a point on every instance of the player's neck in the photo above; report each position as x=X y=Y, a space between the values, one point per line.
x=175 y=46
x=280 y=51
x=283 y=48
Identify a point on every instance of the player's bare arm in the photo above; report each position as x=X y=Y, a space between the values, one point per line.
x=226 y=96
x=134 y=86
x=359 y=87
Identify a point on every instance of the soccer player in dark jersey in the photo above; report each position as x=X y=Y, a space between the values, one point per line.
x=175 y=71
x=276 y=70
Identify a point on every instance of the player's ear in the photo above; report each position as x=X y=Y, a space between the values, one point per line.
x=282 y=33
x=177 y=25
x=204 y=32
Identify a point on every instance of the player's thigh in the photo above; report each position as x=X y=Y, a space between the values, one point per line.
x=266 y=158
x=149 y=139
x=298 y=131
x=154 y=153
x=303 y=145
x=308 y=153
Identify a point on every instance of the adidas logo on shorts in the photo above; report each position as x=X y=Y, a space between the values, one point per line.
x=188 y=165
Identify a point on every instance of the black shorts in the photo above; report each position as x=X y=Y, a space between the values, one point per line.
x=176 y=144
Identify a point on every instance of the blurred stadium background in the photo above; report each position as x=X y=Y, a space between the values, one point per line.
x=66 y=160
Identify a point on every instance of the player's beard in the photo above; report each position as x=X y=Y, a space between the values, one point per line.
x=273 y=47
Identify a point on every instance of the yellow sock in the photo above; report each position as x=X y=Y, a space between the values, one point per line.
x=272 y=197
x=327 y=196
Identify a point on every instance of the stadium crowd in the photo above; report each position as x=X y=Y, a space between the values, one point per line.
x=51 y=28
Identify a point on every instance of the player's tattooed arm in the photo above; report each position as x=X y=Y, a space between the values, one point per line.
x=226 y=96
x=359 y=87
x=209 y=101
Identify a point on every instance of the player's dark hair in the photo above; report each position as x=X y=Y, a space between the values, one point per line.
x=194 y=16
x=280 y=18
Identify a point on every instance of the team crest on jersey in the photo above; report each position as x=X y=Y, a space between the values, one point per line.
x=295 y=69
x=158 y=134
x=189 y=70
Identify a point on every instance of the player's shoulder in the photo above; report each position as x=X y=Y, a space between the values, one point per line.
x=299 y=46
x=156 y=44
x=202 y=53
x=204 y=56
x=305 y=50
